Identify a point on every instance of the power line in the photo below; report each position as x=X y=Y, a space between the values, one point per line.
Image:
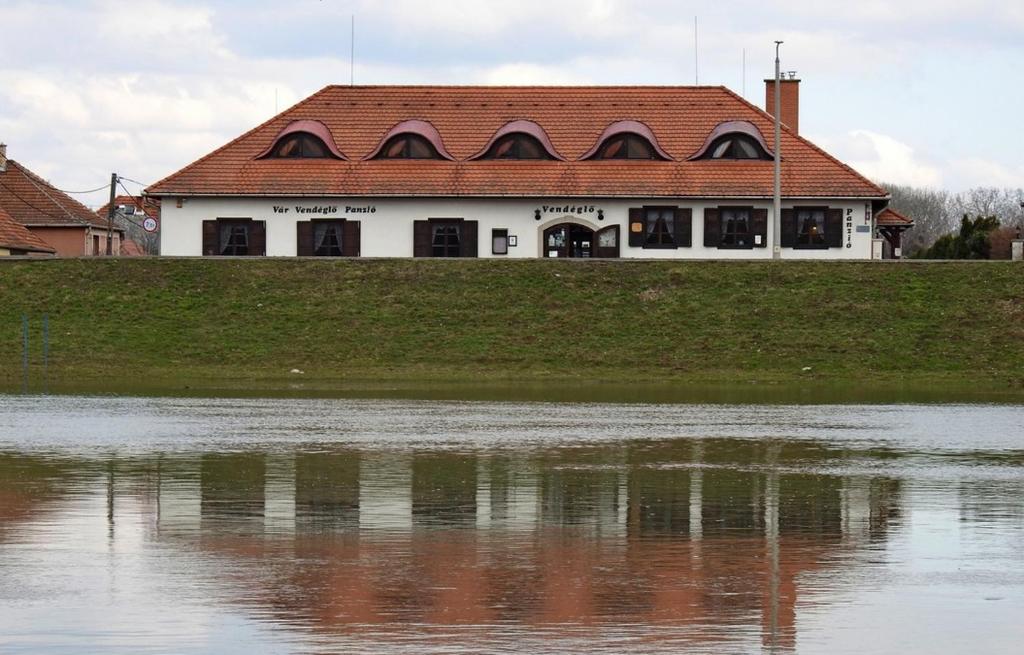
x=41 y=211
x=105 y=186
x=136 y=200
x=127 y=179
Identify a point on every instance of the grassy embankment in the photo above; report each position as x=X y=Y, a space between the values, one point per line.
x=247 y=323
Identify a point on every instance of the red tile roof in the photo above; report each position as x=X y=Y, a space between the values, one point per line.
x=892 y=218
x=467 y=117
x=31 y=200
x=15 y=236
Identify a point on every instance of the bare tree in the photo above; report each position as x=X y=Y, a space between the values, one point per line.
x=937 y=212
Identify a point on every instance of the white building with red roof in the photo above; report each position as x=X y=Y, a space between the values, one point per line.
x=520 y=172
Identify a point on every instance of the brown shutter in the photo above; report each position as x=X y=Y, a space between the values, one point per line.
x=470 y=238
x=304 y=239
x=637 y=235
x=712 y=228
x=788 y=236
x=759 y=220
x=834 y=227
x=607 y=252
x=350 y=239
x=684 y=227
x=421 y=238
x=257 y=238
x=210 y=240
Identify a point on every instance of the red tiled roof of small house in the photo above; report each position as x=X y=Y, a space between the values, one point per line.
x=15 y=236
x=32 y=201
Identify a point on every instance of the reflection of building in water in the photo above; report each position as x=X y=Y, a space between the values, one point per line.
x=716 y=533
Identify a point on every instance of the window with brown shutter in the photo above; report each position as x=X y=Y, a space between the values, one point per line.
x=210 y=239
x=834 y=227
x=637 y=233
x=258 y=238
x=684 y=227
x=787 y=222
x=470 y=239
x=351 y=242
x=759 y=226
x=421 y=239
x=712 y=228
x=304 y=238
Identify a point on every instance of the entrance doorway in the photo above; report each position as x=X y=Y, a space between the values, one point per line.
x=578 y=241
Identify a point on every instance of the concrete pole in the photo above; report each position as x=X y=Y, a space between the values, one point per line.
x=110 y=214
x=777 y=212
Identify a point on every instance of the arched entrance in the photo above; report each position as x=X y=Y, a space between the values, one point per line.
x=579 y=241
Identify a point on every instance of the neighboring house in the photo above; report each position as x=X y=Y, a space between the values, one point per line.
x=129 y=213
x=16 y=239
x=58 y=219
x=406 y=171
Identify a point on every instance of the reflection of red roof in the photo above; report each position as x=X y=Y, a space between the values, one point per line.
x=681 y=118
x=31 y=200
x=892 y=218
x=15 y=236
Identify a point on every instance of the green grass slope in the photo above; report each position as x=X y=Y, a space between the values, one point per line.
x=474 y=320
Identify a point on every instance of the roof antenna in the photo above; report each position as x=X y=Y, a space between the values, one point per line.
x=696 y=62
x=352 y=55
x=744 y=73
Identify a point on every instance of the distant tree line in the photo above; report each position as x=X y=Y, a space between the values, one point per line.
x=979 y=223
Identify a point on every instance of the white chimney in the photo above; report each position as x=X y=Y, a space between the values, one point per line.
x=3 y=157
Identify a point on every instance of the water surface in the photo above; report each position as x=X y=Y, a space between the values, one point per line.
x=185 y=525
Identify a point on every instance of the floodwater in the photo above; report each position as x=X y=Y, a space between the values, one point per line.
x=137 y=525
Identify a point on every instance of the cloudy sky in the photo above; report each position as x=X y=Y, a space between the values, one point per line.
x=925 y=92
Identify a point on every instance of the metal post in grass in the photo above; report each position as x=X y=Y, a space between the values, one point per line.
x=24 y=353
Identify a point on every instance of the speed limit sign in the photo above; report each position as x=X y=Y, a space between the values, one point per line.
x=150 y=224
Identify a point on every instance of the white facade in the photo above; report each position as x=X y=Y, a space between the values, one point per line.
x=386 y=224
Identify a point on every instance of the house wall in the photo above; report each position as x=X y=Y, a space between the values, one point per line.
x=387 y=224
x=74 y=241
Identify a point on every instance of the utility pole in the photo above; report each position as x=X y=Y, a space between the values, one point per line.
x=777 y=213
x=110 y=214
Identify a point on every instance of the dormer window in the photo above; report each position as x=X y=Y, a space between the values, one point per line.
x=411 y=139
x=734 y=140
x=627 y=140
x=626 y=146
x=303 y=139
x=408 y=146
x=517 y=146
x=300 y=145
x=736 y=146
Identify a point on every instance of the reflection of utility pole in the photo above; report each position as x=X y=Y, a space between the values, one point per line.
x=771 y=528
x=110 y=499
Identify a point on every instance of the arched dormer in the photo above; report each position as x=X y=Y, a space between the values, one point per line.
x=519 y=139
x=304 y=139
x=627 y=140
x=411 y=139
x=734 y=140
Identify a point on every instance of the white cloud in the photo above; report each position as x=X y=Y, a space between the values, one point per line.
x=883 y=158
x=975 y=171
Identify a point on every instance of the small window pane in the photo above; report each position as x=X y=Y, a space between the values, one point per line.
x=639 y=148
x=745 y=149
x=530 y=149
x=419 y=148
x=499 y=242
x=289 y=147
x=327 y=239
x=736 y=228
x=810 y=226
x=445 y=240
x=614 y=149
x=234 y=238
x=312 y=147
